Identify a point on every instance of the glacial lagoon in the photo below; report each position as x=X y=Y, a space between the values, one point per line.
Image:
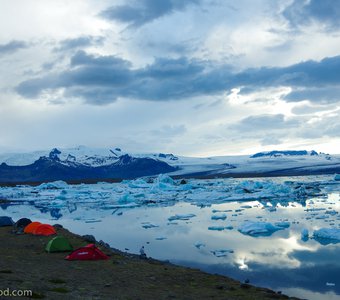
x=264 y=231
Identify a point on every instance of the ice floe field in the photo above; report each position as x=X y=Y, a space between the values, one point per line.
x=282 y=233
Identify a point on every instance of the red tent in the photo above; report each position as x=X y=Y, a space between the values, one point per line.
x=44 y=229
x=89 y=252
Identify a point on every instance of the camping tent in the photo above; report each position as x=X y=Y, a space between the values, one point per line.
x=31 y=227
x=44 y=229
x=89 y=252
x=23 y=222
x=6 y=221
x=58 y=244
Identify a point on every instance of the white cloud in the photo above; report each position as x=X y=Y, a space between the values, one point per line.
x=243 y=34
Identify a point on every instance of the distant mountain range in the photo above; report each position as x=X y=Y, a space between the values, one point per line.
x=277 y=153
x=89 y=164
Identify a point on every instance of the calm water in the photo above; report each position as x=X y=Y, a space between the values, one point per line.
x=282 y=261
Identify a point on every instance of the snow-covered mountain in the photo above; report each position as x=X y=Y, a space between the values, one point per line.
x=78 y=164
x=82 y=163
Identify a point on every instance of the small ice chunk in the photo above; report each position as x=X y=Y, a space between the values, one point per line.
x=199 y=245
x=148 y=225
x=222 y=252
x=330 y=284
x=304 y=234
x=93 y=221
x=138 y=183
x=218 y=210
x=218 y=217
x=282 y=224
x=271 y=208
x=337 y=177
x=218 y=228
x=55 y=185
x=258 y=228
x=127 y=198
x=181 y=217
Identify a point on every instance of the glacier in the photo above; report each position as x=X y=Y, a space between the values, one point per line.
x=92 y=164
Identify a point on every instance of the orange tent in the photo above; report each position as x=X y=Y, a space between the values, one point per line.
x=31 y=227
x=44 y=229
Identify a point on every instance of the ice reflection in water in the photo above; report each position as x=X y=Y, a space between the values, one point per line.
x=281 y=261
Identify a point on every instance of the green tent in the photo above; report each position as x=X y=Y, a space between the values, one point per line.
x=58 y=244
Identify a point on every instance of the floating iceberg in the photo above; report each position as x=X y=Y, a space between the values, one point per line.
x=181 y=217
x=258 y=228
x=218 y=217
x=282 y=224
x=55 y=185
x=163 y=178
x=304 y=235
x=148 y=225
x=199 y=245
x=163 y=182
x=218 y=210
x=217 y=228
x=327 y=235
x=222 y=252
x=337 y=177
x=138 y=183
x=330 y=284
x=127 y=198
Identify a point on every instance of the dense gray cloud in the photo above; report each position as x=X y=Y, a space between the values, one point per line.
x=329 y=94
x=140 y=12
x=323 y=127
x=12 y=46
x=304 y=74
x=270 y=141
x=170 y=131
x=102 y=79
x=264 y=123
x=79 y=42
x=304 y=12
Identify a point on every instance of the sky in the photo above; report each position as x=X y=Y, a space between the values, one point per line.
x=194 y=77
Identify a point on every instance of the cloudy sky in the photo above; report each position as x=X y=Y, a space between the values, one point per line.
x=193 y=77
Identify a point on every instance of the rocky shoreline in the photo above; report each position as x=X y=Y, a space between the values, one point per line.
x=25 y=265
